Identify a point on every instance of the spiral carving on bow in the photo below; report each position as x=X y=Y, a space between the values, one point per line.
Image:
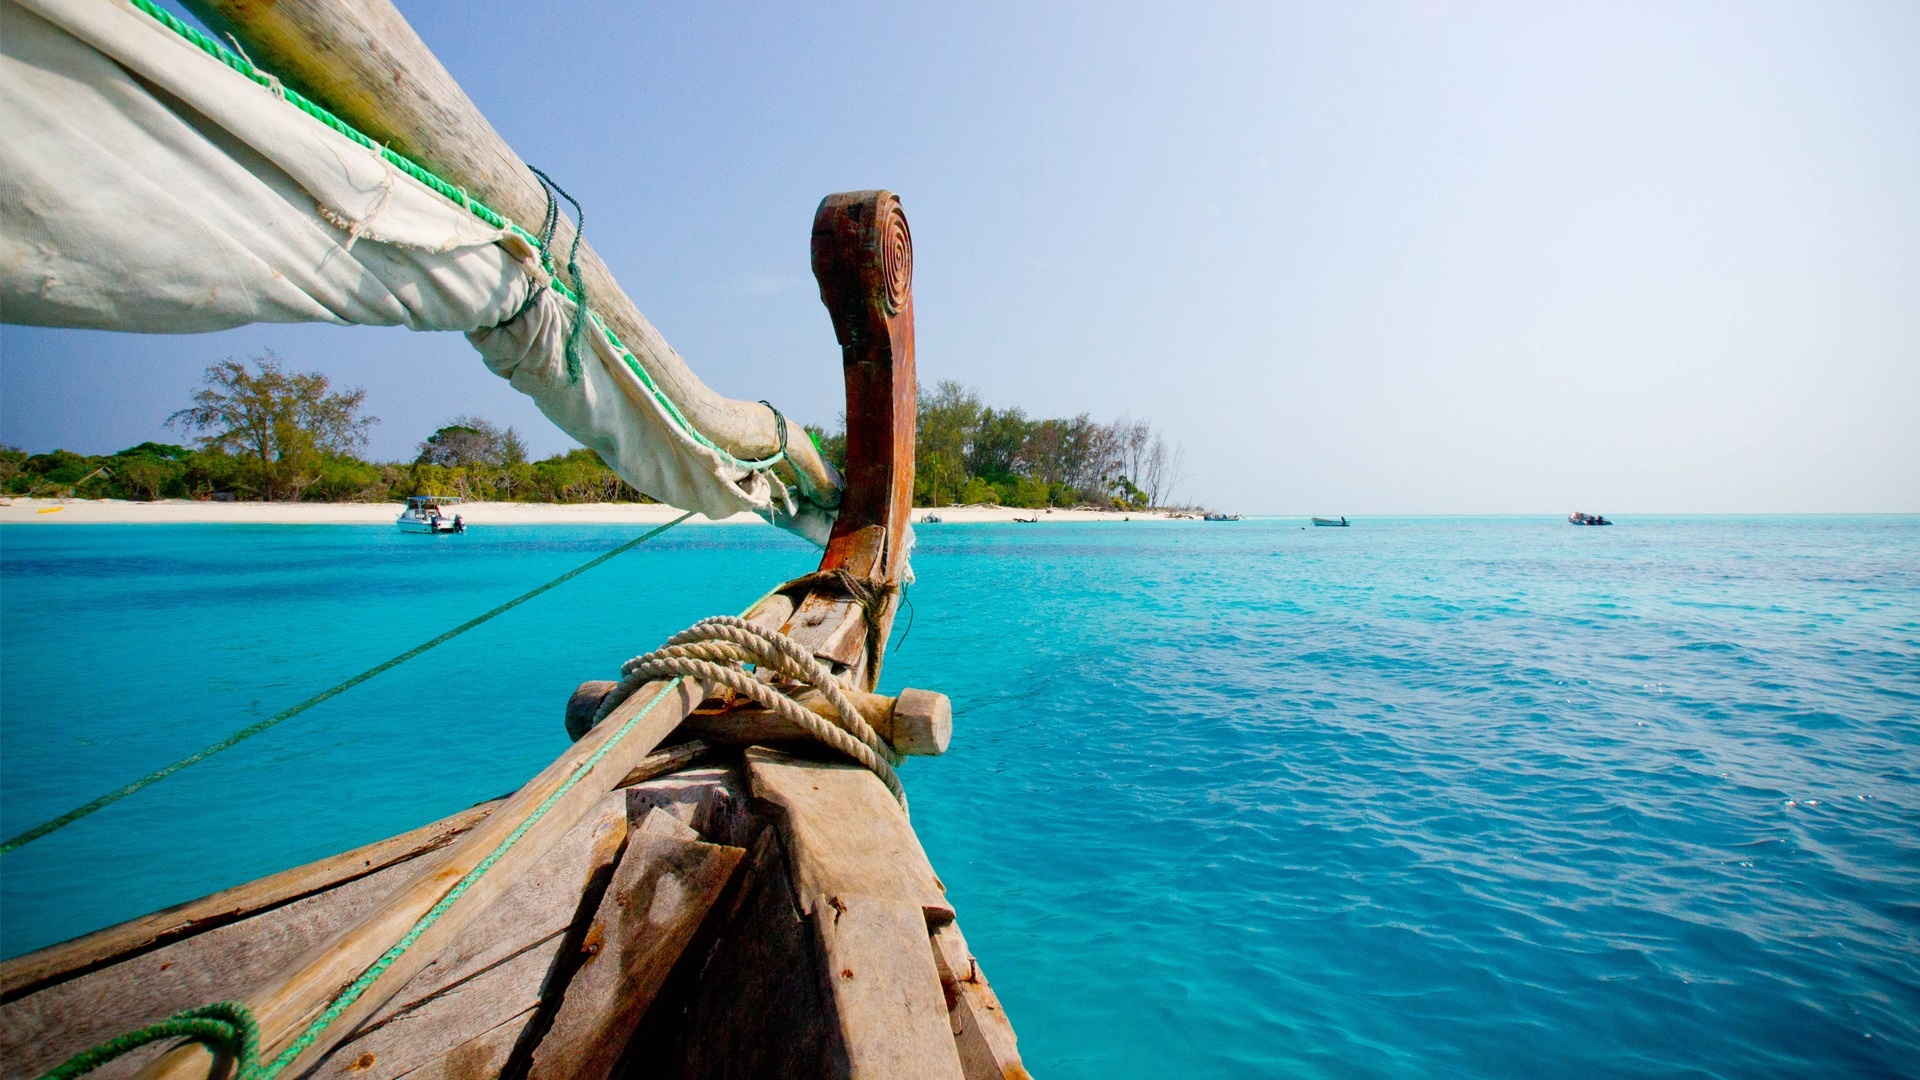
x=896 y=255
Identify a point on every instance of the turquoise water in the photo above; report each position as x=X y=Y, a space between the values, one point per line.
x=1474 y=797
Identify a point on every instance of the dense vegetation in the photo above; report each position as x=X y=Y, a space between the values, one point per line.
x=969 y=452
x=265 y=433
x=159 y=471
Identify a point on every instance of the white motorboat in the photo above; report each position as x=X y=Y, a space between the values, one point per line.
x=431 y=514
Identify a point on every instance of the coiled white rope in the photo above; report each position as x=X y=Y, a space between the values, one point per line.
x=716 y=651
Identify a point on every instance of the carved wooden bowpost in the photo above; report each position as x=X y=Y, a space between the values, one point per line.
x=863 y=258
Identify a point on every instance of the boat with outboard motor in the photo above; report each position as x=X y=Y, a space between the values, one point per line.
x=1334 y=523
x=425 y=514
x=1578 y=518
x=718 y=877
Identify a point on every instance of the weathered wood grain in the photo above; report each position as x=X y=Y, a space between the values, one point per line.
x=43 y=1028
x=482 y=1057
x=658 y=822
x=664 y=762
x=845 y=834
x=501 y=959
x=918 y=722
x=863 y=880
x=886 y=990
x=660 y=894
x=25 y=974
x=584 y=705
x=981 y=1031
x=751 y=1001
x=283 y=1005
x=711 y=800
x=833 y=626
x=863 y=261
x=505 y=964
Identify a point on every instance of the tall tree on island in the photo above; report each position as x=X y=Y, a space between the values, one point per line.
x=284 y=425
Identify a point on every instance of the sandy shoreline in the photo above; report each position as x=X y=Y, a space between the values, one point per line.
x=187 y=512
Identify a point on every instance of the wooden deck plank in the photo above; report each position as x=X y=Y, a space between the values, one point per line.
x=981 y=1031
x=285 y=1003
x=845 y=833
x=712 y=800
x=862 y=878
x=42 y=1028
x=750 y=1002
x=499 y=968
x=479 y=1058
x=24 y=974
x=661 y=892
x=886 y=989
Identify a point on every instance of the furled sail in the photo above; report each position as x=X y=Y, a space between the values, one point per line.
x=146 y=185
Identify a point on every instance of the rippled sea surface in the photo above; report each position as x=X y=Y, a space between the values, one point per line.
x=1423 y=797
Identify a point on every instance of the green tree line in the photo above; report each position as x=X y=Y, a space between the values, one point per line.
x=162 y=471
x=966 y=451
x=264 y=433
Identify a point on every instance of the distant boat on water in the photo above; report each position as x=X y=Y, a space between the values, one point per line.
x=1217 y=516
x=1337 y=523
x=1578 y=518
x=424 y=515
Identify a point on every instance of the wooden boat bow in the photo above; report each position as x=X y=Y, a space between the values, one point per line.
x=873 y=979
x=803 y=930
x=863 y=260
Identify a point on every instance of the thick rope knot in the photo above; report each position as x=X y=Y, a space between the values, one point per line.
x=717 y=651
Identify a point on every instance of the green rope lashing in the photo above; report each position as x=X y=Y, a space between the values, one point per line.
x=228 y=1026
x=251 y=730
x=225 y=1027
x=780 y=424
x=459 y=197
x=581 y=313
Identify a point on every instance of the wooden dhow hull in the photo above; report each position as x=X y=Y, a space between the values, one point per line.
x=696 y=887
x=753 y=913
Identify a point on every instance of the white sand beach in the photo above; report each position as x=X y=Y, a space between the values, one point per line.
x=190 y=511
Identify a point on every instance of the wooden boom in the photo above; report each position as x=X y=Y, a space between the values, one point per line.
x=863 y=257
x=363 y=61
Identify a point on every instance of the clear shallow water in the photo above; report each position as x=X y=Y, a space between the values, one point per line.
x=1473 y=797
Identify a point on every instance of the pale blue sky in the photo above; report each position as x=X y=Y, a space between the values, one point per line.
x=1402 y=257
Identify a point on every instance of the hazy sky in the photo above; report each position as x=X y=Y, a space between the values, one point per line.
x=1400 y=257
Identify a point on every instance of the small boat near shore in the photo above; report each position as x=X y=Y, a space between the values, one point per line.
x=425 y=514
x=718 y=876
x=1334 y=523
x=1578 y=518
x=1217 y=516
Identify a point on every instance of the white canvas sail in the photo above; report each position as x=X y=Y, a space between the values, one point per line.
x=146 y=186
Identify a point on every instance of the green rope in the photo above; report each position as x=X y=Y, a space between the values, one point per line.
x=351 y=994
x=456 y=195
x=581 y=310
x=251 y=730
x=224 y=1027
x=240 y=1036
